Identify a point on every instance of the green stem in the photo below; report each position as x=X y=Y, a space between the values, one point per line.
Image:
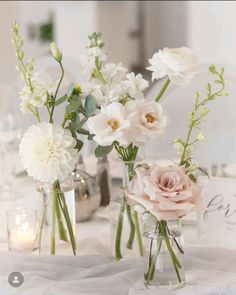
x=129 y=244
x=175 y=261
x=53 y=225
x=66 y=214
x=61 y=228
x=151 y=270
x=138 y=233
x=119 y=228
x=41 y=226
x=55 y=96
x=163 y=89
x=186 y=145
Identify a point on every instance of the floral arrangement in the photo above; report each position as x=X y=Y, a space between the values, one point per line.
x=49 y=150
x=169 y=193
x=124 y=119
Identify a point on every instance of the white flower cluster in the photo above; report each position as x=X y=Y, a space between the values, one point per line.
x=109 y=82
x=36 y=94
x=135 y=122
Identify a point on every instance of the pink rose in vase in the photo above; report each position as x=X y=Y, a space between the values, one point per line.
x=166 y=192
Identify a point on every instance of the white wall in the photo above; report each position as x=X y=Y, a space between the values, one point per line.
x=212 y=30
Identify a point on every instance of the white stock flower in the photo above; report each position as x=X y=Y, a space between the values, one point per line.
x=113 y=73
x=135 y=85
x=147 y=120
x=179 y=64
x=47 y=152
x=42 y=85
x=88 y=59
x=110 y=125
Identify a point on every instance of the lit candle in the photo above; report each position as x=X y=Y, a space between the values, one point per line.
x=22 y=231
x=22 y=240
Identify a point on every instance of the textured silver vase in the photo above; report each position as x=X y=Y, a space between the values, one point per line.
x=87 y=195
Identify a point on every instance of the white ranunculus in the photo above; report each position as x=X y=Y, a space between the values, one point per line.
x=47 y=152
x=42 y=85
x=110 y=125
x=135 y=85
x=147 y=120
x=179 y=64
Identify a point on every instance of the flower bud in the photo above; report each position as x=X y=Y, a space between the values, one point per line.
x=56 y=53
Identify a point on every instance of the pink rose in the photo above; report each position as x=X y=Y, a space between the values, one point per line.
x=167 y=193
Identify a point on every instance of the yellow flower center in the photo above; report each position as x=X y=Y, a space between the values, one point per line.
x=114 y=124
x=150 y=118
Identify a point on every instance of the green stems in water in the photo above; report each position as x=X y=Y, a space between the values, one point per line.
x=119 y=228
x=163 y=235
x=59 y=211
x=132 y=218
x=130 y=241
x=138 y=233
x=53 y=225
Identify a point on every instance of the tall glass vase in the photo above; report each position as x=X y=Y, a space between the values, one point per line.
x=58 y=215
x=125 y=222
x=163 y=253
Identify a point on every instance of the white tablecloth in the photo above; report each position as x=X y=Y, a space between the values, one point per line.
x=209 y=271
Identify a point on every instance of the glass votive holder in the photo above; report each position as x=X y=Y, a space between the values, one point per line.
x=22 y=230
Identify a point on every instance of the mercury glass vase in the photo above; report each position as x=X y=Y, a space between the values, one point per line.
x=126 y=238
x=163 y=254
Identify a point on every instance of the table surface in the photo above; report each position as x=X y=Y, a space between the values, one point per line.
x=94 y=265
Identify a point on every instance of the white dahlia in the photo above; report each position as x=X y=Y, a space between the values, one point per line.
x=47 y=152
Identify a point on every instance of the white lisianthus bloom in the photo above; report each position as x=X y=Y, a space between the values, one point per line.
x=42 y=86
x=47 y=152
x=147 y=120
x=135 y=85
x=179 y=64
x=110 y=124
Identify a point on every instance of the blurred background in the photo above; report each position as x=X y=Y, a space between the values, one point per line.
x=133 y=31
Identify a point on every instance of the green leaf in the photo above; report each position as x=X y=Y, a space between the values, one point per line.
x=74 y=105
x=60 y=100
x=75 y=123
x=79 y=144
x=82 y=131
x=91 y=136
x=70 y=89
x=90 y=105
x=102 y=151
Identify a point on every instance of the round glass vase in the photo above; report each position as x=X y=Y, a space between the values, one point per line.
x=163 y=253
x=126 y=238
x=58 y=221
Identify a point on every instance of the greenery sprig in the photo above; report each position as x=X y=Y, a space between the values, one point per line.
x=199 y=112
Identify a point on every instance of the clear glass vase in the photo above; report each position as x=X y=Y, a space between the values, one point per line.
x=58 y=219
x=126 y=238
x=163 y=254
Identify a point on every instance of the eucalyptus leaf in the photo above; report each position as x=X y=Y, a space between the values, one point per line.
x=70 y=89
x=74 y=105
x=75 y=123
x=90 y=105
x=91 y=136
x=102 y=151
x=79 y=144
x=60 y=100
x=82 y=131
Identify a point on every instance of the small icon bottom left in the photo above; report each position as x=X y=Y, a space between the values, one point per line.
x=15 y=279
